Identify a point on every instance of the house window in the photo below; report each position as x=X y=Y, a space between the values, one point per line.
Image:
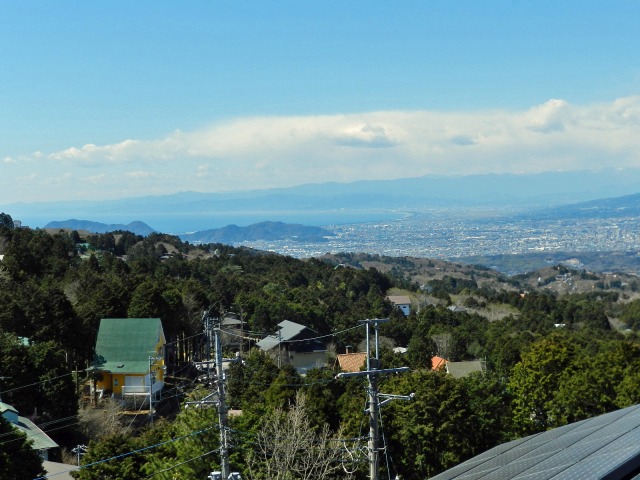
x=115 y=382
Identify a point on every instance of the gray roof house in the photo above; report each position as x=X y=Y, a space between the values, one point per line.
x=297 y=345
x=41 y=441
x=402 y=302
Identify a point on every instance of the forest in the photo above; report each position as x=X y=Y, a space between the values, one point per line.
x=550 y=359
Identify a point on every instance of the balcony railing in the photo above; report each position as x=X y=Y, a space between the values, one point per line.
x=142 y=389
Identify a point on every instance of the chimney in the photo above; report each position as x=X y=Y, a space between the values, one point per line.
x=348 y=348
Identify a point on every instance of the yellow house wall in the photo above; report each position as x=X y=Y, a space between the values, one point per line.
x=105 y=383
x=119 y=379
x=111 y=381
x=159 y=364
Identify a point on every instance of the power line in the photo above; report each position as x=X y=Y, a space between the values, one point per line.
x=127 y=454
x=372 y=373
x=37 y=383
x=256 y=338
x=182 y=463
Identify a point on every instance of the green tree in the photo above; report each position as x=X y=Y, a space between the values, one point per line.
x=249 y=380
x=431 y=433
x=535 y=381
x=17 y=459
x=6 y=221
x=190 y=444
x=113 y=458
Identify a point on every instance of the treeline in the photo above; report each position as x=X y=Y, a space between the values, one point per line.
x=552 y=360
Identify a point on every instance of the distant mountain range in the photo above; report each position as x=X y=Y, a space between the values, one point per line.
x=230 y=234
x=625 y=206
x=341 y=203
x=139 y=228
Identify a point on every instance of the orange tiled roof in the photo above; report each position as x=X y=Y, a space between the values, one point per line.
x=351 y=362
x=437 y=363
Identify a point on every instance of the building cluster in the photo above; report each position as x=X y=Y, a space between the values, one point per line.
x=455 y=236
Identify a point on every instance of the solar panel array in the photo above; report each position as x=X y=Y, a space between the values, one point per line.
x=603 y=447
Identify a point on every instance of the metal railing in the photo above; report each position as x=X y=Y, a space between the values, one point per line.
x=142 y=389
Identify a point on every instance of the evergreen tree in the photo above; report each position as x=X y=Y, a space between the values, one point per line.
x=18 y=461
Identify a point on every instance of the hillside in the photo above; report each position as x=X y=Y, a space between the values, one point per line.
x=554 y=277
x=259 y=231
x=561 y=324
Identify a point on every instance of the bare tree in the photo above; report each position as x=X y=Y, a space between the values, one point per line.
x=288 y=447
x=96 y=423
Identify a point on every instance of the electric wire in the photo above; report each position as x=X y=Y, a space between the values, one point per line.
x=182 y=463
x=36 y=383
x=127 y=454
x=256 y=338
x=178 y=393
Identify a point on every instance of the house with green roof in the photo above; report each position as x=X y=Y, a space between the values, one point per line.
x=129 y=357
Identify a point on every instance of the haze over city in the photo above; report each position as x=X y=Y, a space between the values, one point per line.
x=122 y=99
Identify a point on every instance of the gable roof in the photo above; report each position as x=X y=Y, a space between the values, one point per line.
x=456 y=308
x=438 y=363
x=5 y=407
x=41 y=441
x=399 y=299
x=601 y=447
x=288 y=331
x=125 y=344
x=351 y=362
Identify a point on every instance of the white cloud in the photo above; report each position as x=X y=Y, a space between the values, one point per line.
x=138 y=174
x=96 y=179
x=548 y=117
x=265 y=152
x=202 y=171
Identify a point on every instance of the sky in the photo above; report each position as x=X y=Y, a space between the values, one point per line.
x=103 y=100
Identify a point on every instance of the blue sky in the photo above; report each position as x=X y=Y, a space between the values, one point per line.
x=115 y=99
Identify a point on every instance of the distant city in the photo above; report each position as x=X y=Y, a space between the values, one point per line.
x=451 y=234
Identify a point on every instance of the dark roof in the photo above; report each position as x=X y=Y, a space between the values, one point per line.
x=603 y=447
x=125 y=344
x=290 y=331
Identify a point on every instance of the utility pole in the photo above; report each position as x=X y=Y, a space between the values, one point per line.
x=207 y=329
x=214 y=325
x=372 y=372
x=222 y=406
x=152 y=378
x=79 y=451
